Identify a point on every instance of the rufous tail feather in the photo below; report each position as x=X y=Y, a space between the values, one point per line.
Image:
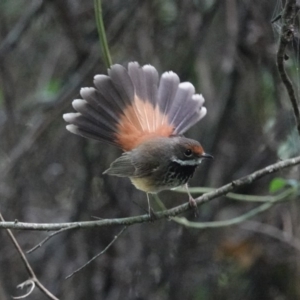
x=130 y=106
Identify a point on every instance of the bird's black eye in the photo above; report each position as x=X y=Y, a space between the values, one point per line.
x=188 y=152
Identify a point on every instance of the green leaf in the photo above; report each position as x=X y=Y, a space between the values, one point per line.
x=277 y=184
x=53 y=86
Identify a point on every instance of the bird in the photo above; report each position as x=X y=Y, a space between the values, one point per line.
x=145 y=115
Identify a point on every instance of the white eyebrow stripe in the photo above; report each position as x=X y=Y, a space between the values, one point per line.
x=192 y=162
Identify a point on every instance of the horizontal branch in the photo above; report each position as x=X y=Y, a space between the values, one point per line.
x=248 y=215
x=159 y=215
x=233 y=196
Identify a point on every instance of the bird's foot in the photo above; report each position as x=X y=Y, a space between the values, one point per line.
x=193 y=205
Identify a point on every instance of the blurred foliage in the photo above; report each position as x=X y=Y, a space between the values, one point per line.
x=48 y=50
x=277 y=184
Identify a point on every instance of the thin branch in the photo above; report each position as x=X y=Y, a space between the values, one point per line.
x=25 y=284
x=250 y=214
x=233 y=196
x=28 y=266
x=237 y=220
x=101 y=33
x=273 y=232
x=286 y=36
x=48 y=238
x=162 y=214
x=102 y=252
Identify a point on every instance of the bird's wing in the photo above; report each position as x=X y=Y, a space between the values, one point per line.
x=127 y=166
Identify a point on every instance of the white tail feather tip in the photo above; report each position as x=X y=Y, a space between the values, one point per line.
x=203 y=112
x=169 y=75
x=187 y=86
x=148 y=67
x=133 y=63
x=69 y=117
x=84 y=92
x=72 y=128
x=78 y=104
x=100 y=76
x=199 y=98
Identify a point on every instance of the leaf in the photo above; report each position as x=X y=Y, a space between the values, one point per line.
x=277 y=184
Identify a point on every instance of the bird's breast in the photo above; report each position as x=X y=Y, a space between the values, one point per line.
x=178 y=174
x=164 y=179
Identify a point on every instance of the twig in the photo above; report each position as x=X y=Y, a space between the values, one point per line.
x=248 y=215
x=233 y=196
x=48 y=238
x=28 y=267
x=101 y=32
x=233 y=221
x=22 y=285
x=286 y=36
x=272 y=232
x=96 y=256
x=159 y=215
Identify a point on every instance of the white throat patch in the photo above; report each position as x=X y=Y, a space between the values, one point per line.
x=192 y=162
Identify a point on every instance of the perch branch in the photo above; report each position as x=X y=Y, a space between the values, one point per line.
x=162 y=214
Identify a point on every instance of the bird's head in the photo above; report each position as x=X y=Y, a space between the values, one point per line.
x=188 y=152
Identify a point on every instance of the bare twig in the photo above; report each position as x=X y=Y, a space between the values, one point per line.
x=48 y=238
x=286 y=36
x=162 y=214
x=233 y=196
x=101 y=32
x=28 y=268
x=26 y=284
x=273 y=232
x=237 y=220
x=96 y=256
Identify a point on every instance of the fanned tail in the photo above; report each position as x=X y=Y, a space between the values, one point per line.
x=129 y=106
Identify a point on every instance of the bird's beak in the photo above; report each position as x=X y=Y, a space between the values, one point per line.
x=206 y=155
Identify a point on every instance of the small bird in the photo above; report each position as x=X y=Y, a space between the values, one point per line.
x=144 y=116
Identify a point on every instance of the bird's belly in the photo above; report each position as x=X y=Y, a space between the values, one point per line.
x=144 y=184
x=148 y=186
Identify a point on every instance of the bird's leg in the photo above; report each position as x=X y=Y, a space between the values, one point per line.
x=192 y=202
x=151 y=213
x=149 y=207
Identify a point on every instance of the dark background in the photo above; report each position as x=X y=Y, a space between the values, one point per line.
x=227 y=49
